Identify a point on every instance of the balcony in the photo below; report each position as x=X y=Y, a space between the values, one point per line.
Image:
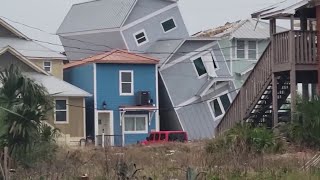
x=294 y=49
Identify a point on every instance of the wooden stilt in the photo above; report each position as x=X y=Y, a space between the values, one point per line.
x=275 y=99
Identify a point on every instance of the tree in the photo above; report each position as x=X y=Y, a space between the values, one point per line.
x=23 y=104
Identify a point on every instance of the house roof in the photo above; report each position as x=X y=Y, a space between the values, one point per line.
x=12 y=29
x=96 y=15
x=29 y=49
x=115 y=57
x=23 y=59
x=282 y=9
x=57 y=87
x=244 y=29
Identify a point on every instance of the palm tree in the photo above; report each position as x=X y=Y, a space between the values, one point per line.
x=23 y=104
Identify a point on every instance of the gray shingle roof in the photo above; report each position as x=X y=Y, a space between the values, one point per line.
x=29 y=48
x=57 y=87
x=94 y=15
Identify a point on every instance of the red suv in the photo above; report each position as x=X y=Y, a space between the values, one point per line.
x=166 y=136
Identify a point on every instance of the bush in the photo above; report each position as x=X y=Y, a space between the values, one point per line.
x=245 y=139
x=305 y=127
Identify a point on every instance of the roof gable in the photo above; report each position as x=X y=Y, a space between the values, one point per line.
x=8 y=29
x=115 y=57
x=15 y=53
x=96 y=15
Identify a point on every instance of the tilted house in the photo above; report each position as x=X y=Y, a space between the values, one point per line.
x=124 y=88
x=45 y=67
x=291 y=57
x=193 y=72
x=242 y=43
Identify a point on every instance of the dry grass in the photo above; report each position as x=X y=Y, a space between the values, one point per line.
x=170 y=161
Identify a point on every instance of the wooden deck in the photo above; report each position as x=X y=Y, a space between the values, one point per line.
x=270 y=82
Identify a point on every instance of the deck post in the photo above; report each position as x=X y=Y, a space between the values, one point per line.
x=293 y=83
x=303 y=21
x=305 y=91
x=275 y=99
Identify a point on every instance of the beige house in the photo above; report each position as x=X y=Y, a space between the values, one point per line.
x=45 y=67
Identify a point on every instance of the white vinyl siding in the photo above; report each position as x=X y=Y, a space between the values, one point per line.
x=134 y=124
x=126 y=83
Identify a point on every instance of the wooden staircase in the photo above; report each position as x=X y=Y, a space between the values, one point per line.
x=288 y=53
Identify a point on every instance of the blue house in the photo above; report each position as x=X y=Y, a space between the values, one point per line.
x=124 y=108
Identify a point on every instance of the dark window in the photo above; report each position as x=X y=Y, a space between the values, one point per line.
x=151 y=137
x=61 y=110
x=168 y=25
x=180 y=137
x=141 y=37
x=198 y=63
x=156 y=137
x=162 y=137
x=215 y=106
x=252 y=49
x=225 y=101
x=240 y=49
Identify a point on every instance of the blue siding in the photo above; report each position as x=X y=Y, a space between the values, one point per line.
x=108 y=90
x=82 y=77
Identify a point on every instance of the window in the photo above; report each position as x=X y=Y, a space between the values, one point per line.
x=135 y=124
x=141 y=38
x=252 y=49
x=215 y=106
x=156 y=137
x=241 y=49
x=47 y=66
x=126 y=83
x=61 y=111
x=214 y=62
x=198 y=63
x=220 y=105
x=168 y=25
x=180 y=137
x=162 y=137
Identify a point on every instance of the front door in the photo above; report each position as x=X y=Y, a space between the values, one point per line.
x=104 y=127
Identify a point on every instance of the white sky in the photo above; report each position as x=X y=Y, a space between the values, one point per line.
x=198 y=14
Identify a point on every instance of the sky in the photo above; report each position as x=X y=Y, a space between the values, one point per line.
x=198 y=14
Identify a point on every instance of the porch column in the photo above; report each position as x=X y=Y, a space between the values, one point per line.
x=275 y=99
x=317 y=3
x=293 y=83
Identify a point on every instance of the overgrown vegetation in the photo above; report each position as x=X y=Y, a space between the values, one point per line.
x=23 y=105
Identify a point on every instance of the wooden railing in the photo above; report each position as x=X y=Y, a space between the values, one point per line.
x=250 y=93
x=303 y=47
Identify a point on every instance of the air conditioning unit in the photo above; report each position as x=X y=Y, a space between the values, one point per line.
x=143 y=98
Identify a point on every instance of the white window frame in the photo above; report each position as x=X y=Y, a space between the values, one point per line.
x=201 y=56
x=170 y=29
x=145 y=35
x=135 y=116
x=246 y=50
x=120 y=83
x=67 y=111
x=215 y=60
x=47 y=66
x=220 y=104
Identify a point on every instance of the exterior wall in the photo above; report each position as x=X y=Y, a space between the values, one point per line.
x=108 y=90
x=91 y=44
x=144 y=7
x=7 y=59
x=154 y=30
x=56 y=65
x=72 y=75
x=185 y=73
x=75 y=127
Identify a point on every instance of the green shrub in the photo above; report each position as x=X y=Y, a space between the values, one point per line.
x=245 y=139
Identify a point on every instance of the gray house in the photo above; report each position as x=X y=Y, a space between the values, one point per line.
x=242 y=43
x=195 y=84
